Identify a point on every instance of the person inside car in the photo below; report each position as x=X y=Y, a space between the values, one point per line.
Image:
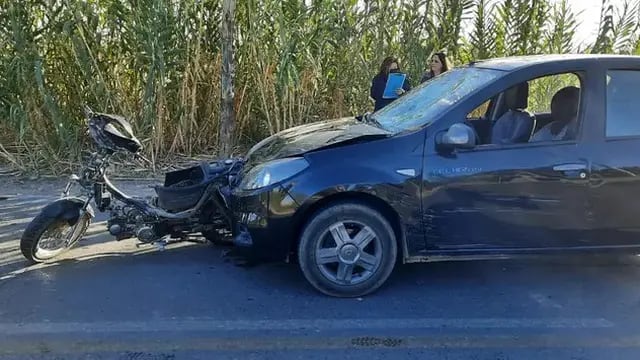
x=564 y=111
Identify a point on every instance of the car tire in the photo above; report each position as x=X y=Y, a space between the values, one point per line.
x=326 y=262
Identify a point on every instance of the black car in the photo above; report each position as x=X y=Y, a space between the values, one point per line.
x=503 y=157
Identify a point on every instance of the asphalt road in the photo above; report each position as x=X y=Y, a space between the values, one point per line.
x=112 y=300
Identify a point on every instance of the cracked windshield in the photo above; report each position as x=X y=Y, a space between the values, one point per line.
x=346 y=179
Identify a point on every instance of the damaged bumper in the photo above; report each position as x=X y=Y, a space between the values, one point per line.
x=263 y=223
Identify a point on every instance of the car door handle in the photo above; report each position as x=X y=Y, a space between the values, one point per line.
x=572 y=170
x=570 y=167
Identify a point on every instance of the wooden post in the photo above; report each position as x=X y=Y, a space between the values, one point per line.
x=227 y=113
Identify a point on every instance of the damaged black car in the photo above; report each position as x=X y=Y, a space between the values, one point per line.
x=497 y=158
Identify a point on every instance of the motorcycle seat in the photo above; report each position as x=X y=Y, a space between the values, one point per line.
x=182 y=189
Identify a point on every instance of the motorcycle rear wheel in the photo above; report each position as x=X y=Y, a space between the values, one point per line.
x=47 y=237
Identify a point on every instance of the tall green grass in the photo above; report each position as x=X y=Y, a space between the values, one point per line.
x=158 y=62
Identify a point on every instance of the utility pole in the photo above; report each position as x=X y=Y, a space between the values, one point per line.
x=227 y=113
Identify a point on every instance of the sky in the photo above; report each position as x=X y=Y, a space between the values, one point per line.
x=588 y=16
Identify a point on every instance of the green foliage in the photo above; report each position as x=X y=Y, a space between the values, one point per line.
x=482 y=39
x=158 y=62
x=561 y=30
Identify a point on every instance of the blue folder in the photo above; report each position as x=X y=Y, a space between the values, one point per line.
x=394 y=82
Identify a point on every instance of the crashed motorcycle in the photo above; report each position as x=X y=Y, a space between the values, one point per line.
x=191 y=205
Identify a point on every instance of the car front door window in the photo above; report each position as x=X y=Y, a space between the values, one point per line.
x=541 y=110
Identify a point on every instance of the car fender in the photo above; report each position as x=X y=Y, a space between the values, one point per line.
x=367 y=181
x=68 y=209
x=378 y=195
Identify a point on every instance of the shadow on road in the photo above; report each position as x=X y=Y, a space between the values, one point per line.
x=102 y=257
x=21 y=202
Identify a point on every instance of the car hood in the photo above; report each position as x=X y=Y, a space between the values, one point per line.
x=301 y=139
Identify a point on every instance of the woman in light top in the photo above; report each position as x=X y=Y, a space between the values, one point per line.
x=439 y=64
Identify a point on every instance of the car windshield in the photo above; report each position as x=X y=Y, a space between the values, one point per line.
x=424 y=103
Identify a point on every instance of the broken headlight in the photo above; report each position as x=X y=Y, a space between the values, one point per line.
x=272 y=172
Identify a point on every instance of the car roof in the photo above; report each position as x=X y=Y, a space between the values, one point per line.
x=516 y=62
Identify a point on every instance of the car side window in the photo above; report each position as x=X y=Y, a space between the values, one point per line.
x=623 y=107
x=542 y=91
x=542 y=109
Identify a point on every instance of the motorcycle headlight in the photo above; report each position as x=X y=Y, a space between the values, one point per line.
x=272 y=172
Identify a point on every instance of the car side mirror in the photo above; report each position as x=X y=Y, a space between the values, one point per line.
x=458 y=136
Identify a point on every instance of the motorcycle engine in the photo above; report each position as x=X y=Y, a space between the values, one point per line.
x=146 y=234
x=127 y=222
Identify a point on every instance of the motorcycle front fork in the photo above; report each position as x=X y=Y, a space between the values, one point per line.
x=72 y=179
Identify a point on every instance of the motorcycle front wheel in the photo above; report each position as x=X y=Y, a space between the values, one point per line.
x=47 y=237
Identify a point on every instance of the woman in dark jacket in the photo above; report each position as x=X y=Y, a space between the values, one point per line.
x=379 y=82
x=439 y=64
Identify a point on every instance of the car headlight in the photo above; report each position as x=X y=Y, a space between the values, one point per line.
x=272 y=172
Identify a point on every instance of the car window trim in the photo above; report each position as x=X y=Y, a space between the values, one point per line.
x=527 y=145
x=621 y=137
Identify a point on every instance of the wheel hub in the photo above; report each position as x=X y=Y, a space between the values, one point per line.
x=349 y=254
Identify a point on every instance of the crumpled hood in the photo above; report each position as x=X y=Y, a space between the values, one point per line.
x=304 y=138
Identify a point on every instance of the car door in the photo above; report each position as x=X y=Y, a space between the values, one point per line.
x=507 y=198
x=615 y=185
x=519 y=197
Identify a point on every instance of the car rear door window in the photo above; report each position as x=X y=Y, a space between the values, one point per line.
x=623 y=106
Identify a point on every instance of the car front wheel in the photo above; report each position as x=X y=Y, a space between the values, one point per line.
x=347 y=250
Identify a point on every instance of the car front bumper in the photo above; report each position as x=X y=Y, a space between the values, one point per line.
x=264 y=224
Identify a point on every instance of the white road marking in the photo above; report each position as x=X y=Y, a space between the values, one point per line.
x=7 y=329
x=544 y=301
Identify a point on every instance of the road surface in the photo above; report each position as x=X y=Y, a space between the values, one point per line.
x=113 y=300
